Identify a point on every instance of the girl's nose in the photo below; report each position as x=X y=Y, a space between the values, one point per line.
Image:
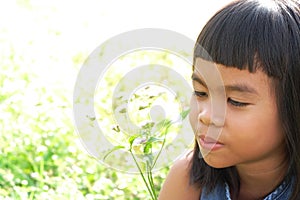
x=204 y=115
x=207 y=118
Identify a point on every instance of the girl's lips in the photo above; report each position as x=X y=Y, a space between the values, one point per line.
x=209 y=143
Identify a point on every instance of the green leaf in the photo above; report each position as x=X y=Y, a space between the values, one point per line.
x=184 y=113
x=148 y=125
x=143 y=107
x=112 y=150
x=136 y=95
x=116 y=128
x=154 y=139
x=131 y=139
x=91 y=118
x=148 y=148
x=148 y=144
x=164 y=123
x=123 y=110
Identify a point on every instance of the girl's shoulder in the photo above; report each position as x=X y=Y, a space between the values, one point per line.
x=177 y=185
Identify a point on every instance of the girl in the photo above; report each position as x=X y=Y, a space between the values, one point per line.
x=255 y=46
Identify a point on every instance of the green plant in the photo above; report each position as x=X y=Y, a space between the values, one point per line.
x=144 y=149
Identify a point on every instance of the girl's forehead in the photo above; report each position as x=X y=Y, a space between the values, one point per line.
x=211 y=73
x=209 y=68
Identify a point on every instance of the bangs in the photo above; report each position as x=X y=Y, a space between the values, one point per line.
x=250 y=35
x=257 y=35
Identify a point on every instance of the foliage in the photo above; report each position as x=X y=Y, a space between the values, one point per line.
x=41 y=156
x=145 y=148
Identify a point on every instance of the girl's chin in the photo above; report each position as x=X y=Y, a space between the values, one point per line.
x=215 y=164
x=214 y=161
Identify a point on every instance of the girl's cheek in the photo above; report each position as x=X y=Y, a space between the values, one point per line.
x=193 y=115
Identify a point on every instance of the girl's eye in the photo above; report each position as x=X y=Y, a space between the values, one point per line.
x=237 y=103
x=200 y=94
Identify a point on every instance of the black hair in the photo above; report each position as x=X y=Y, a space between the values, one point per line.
x=248 y=34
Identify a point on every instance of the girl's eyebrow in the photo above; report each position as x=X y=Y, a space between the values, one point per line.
x=238 y=87
x=241 y=87
x=198 y=79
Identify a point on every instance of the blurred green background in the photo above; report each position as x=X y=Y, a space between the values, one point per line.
x=43 y=44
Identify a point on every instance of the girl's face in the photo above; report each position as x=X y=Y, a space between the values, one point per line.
x=251 y=133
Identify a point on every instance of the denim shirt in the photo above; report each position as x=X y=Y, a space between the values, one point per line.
x=221 y=192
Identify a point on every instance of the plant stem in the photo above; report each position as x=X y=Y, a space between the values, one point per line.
x=163 y=144
x=150 y=179
x=145 y=181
